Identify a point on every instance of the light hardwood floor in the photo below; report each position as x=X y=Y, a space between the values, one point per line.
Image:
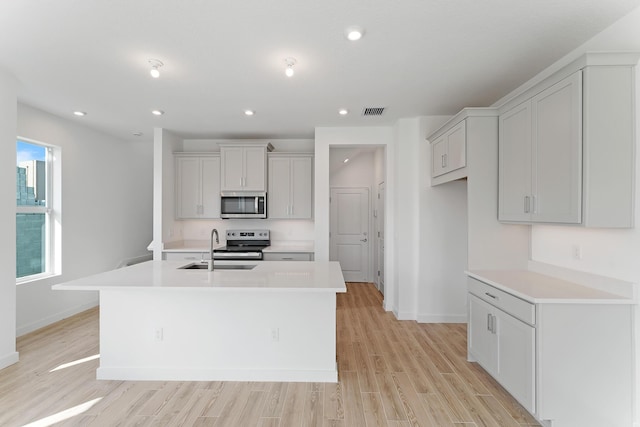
x=391 y=373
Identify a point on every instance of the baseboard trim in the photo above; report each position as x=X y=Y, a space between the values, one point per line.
x=442 y=318
x=404 y=315
x=41 y=323
x=9 y=359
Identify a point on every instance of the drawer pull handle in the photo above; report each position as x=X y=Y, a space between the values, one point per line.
x=490 y=295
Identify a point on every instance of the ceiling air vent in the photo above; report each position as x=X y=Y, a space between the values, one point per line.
x=373 y=111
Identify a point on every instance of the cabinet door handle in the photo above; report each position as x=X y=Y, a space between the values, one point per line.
x=489 y=322
x=526 y=204
x=534 y=207
x=490 y=295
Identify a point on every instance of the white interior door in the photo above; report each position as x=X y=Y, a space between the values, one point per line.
x=380 y=237
x=349 y=239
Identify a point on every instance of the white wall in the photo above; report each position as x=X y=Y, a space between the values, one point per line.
x=165 y=228
x=8 y=101
x=408 y=163
x=281 y=229
x=106 y=211
x=442 y=287
x=425 y=227
x=279 y=145
x=325 y=138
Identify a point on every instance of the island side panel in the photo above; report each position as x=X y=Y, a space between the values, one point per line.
x=205 y=335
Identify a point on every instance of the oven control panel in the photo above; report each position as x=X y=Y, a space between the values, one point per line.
x=247 y=234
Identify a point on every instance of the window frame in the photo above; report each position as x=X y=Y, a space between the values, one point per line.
x=50 y=210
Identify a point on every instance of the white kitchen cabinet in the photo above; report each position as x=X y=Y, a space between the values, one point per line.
x=504 y=346
x=448 y=151
x=287 y=256
x=541 y=156
x=197 y=186
x=566 y=147
x=290 y=186
x=244 y=167
x=564 y=351
x=186 y=256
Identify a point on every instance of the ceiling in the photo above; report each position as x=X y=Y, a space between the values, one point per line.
x=417 y=57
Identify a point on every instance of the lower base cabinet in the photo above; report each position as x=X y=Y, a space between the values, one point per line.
x=505 y=347
x=569 y=363
x=288 y=256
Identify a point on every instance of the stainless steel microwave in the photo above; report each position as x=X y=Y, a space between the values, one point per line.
x=241 y=204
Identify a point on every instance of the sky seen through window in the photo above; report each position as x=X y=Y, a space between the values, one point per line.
x=26 y=151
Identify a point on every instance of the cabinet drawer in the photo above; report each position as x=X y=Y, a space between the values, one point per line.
x=506 y=302
x=185 y=256
x=290 y=256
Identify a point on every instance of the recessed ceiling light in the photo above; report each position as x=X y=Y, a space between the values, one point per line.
x=79 y=113
x=343 y=111
x=354 y=33
x=345 y=160
x=290 y=63
x=249 y=112
x=155 y=67
x=157 y=112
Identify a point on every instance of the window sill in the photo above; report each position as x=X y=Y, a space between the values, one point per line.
x=35 y=278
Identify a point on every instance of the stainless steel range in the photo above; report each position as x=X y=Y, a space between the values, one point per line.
x=243 y=245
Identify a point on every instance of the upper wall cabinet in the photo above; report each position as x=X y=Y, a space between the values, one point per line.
x=449 y=151
x=290 y=186
x=449 y=145
x=244 y=167
x=197 y=185
x=540 y=156
x=566 y=146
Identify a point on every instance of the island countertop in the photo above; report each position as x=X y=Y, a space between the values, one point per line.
x=299 y=276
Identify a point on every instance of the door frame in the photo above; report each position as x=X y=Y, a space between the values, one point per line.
x=369 y=274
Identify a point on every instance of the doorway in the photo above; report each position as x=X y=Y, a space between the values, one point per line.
x=379 y=215
x=349 y=241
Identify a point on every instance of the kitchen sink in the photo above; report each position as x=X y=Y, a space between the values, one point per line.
x=205 y=266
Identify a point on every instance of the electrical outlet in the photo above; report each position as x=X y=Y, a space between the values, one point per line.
x=158 y=334
x=275 y=334
x=577 y=252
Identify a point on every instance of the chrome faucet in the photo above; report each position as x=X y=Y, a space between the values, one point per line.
x=214 y=231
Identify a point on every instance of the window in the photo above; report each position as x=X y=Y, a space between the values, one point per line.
x=35 y=213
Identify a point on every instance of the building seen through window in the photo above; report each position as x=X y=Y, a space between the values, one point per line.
x=33 y=214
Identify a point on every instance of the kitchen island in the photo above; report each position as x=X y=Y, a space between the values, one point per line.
x=275 y=322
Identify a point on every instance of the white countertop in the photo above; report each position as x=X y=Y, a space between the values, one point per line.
x=538 y=288
x=297 y=276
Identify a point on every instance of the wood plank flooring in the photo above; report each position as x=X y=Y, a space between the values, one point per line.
x=391 y=373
